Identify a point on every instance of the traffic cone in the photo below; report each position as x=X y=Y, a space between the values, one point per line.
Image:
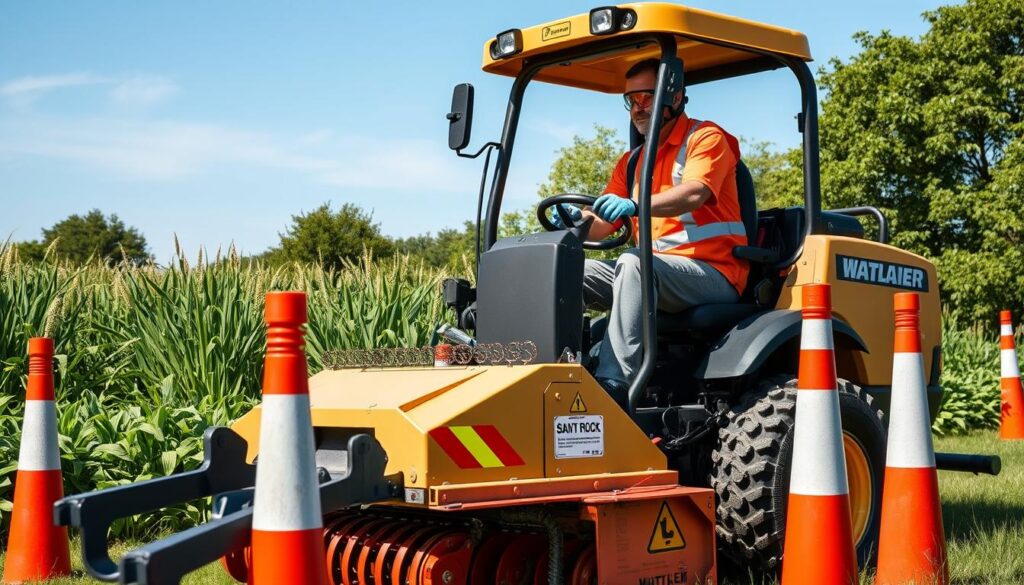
x=1011 y=424
x=819 y=538
x=287 y=529
x=912 y=545
x=37 y=549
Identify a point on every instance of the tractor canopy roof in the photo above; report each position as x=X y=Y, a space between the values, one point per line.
x=711 y=46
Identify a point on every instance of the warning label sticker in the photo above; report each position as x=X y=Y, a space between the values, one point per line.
x=579 y=436
x=666 y=535
x=577 y=404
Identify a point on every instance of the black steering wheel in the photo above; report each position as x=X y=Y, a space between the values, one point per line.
x=625 y=233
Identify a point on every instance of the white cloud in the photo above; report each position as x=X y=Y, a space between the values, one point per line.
x=142 y=91
x=25 y=90
x=138 y=91
x=167 y=150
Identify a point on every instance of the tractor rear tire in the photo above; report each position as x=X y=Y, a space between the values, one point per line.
x=751 y=466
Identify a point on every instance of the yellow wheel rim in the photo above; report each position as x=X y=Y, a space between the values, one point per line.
x=858 y=473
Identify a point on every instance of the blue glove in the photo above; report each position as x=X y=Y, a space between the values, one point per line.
x=574 y=213
x=612 y=208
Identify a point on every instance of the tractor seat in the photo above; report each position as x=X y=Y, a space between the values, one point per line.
x=714 y=319
x=706 y=319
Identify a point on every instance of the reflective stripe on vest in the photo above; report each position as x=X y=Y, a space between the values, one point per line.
x=691 y=232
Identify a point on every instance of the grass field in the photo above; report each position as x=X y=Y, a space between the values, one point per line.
x=984 y=518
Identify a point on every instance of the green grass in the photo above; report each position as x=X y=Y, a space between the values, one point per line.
x=984 y=519
x=984 y=515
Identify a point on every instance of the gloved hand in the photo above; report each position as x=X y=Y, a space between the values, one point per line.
x=574 y=214
x=612 y=208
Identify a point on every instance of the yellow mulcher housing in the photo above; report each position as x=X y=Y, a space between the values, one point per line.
x=509 y=463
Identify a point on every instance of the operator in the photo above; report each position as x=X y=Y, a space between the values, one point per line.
x=695 y=220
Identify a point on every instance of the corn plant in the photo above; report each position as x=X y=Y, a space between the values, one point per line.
x=148 y=358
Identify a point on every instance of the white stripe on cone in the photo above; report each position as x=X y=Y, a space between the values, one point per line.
x=910 y=438
x=818 y=414
x=1006 y=329
x=39 y=451
x=1009 y=366
x=287 y=491
x=816 y=334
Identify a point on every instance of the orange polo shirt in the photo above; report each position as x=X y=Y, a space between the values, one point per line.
x=710 y=232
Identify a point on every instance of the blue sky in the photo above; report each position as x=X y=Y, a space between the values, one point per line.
x=218 y=121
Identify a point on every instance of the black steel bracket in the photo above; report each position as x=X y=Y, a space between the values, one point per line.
x=223 y=469
x=167 y=561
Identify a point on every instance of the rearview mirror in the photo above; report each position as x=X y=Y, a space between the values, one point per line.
x=460 y=119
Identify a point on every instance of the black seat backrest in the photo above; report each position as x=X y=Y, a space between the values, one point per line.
x=748 y=201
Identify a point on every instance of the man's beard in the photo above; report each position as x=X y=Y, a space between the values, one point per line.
x=643 y=125
x=645 y=122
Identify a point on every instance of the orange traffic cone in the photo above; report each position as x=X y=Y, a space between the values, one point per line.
x=819 y=537
x=37 y=549
x=1012 y=412
x=912 y=545
x=287 y=529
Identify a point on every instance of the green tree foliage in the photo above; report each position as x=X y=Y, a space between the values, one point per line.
x=932 y=132
x=83 y=238
x=778 y=176
x=586 y=166
x=450 y=248
x=583 y=168
x=330 y=238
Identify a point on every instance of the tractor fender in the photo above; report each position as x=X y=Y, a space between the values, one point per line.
x=744 y=349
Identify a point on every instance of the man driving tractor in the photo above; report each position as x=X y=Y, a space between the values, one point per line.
x=695 y=225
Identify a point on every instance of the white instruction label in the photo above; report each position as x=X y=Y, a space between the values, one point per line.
x=579 y=435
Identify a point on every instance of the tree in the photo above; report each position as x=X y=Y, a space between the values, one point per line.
x=586 y=166
x=778 y=176
x=323 y=236
x=81 y=238
x=450 y=248
x=931 y=132
x=583 y=168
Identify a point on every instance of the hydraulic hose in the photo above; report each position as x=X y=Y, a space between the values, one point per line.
x=544 y=520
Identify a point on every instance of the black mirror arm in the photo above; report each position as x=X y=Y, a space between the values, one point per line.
x=479 y=152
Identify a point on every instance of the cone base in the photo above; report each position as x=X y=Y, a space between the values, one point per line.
x=819 y=542
x=36 y=549
x=294 y=557
x=912 y=544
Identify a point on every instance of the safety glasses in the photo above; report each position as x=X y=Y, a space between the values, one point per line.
x=643 y=98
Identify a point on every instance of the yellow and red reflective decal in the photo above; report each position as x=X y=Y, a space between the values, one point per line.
x=476 y=446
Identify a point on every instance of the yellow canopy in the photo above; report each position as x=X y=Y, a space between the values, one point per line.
x=711 y=45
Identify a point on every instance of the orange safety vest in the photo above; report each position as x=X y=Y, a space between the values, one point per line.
x=708 y=233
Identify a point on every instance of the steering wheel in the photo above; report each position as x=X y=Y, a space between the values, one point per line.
x=625 y=232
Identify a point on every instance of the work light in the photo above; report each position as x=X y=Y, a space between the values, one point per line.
x=507 y=44
x=610 y=19
x=602 y=21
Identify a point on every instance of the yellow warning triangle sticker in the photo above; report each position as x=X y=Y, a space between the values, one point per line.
x=577 y=404
x=666 y=534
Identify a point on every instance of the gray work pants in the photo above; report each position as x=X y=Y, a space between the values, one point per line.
x=679 y=283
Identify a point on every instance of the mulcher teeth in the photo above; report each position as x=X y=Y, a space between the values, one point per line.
x=367 y=548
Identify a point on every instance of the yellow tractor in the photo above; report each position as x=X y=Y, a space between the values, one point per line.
x=505 y=461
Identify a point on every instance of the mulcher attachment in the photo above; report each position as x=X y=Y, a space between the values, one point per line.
x=227 y=477
x=391 y=546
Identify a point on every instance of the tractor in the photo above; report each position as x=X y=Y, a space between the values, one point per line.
x=506 y=461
